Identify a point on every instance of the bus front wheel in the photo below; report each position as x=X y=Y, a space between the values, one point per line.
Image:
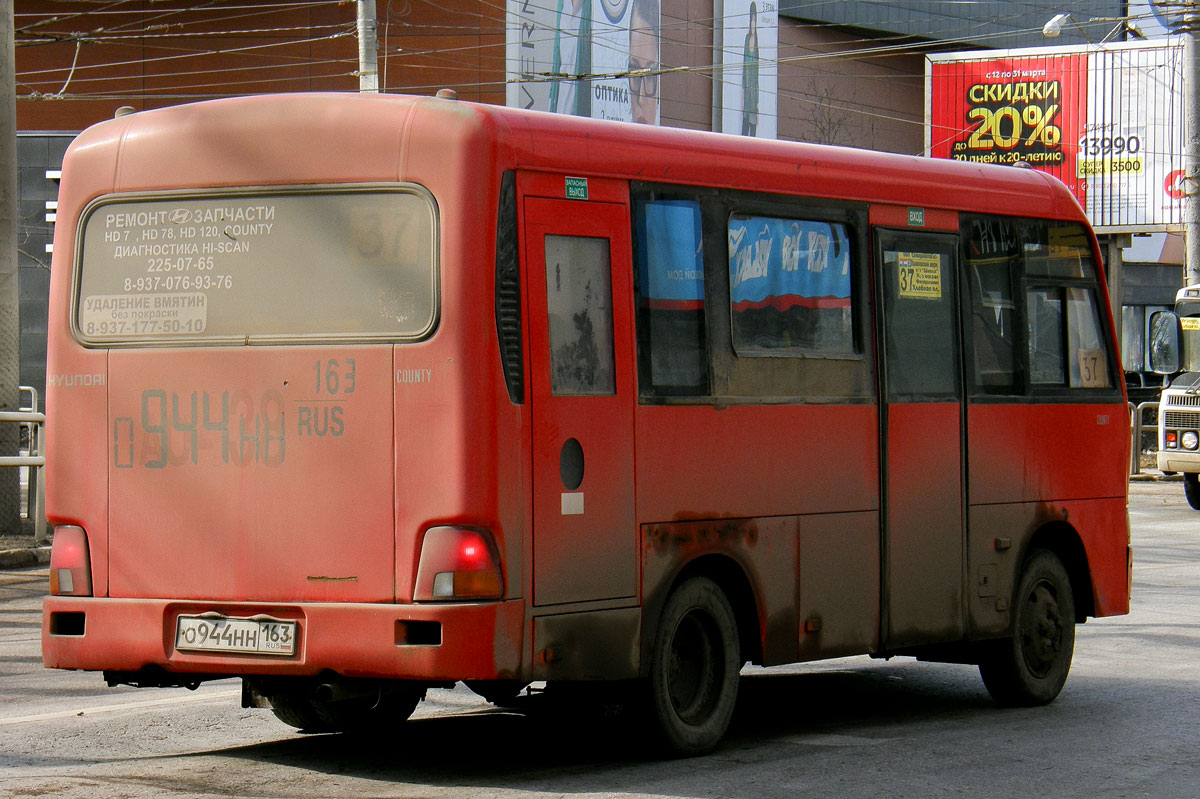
x=694 y=668
x=1191 y=489
x=1031 y=667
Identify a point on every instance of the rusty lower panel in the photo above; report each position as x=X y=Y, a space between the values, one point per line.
x=999 y=538
x=593 y=645
x=476 y=641
x=814 y=579
x=763 y=550
x=839 y=584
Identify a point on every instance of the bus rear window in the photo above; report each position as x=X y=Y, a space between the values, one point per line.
x=257 y=267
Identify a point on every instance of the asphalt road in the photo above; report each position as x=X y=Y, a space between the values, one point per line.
x=1126 y=725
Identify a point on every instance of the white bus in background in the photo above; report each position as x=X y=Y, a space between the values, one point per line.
x=1175 y=350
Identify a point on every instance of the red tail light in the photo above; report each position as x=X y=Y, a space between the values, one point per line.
x=458 y=563
x=70 y=566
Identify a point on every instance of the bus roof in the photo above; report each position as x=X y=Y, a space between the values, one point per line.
x=321 y=125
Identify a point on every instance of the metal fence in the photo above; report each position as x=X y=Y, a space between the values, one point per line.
x=30 y=459
x=1137 y=429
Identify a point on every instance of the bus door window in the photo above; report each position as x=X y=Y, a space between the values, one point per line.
x=923 y=537
x=921 y=324
x=579 y=301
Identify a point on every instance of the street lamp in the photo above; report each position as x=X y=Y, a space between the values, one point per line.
x=1054 y=26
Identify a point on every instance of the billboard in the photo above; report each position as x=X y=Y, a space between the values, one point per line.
x=591 y=58
x=1107 y=120
x=750 y=68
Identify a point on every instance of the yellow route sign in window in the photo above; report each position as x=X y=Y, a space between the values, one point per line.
x=920 y=275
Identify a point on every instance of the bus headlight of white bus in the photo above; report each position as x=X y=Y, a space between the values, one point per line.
x=1189 y=440
x=458 y=563
x=70 y=564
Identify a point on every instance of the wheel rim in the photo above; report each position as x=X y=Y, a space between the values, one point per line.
x=695 y=668
x=1041 y=628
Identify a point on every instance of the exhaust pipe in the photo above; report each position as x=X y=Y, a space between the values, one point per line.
x=342 y=691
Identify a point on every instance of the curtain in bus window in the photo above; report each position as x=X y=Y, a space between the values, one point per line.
x=1044 y=307
x=579 y=299
x=1087 y=358
x=789 y=286
x=671 y=296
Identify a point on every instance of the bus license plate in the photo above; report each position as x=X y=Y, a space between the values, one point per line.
x=225 y=634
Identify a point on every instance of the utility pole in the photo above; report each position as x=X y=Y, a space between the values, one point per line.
x=1191 y=106
x=368 y=50
x=10 y=327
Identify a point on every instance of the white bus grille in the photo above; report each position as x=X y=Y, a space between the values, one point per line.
x=1182 y=419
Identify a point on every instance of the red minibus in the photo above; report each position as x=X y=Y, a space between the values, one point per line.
x=354 y=395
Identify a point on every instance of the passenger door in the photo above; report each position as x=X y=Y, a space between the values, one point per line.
x=582 y=396
x=923 y=438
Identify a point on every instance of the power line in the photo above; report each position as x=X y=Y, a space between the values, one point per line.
x=170 y=31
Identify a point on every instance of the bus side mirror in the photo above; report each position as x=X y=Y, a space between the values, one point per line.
x=1164 y=342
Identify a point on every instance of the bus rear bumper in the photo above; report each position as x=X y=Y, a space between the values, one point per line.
x=445 y=642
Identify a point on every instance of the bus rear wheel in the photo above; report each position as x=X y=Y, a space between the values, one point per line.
x=1191 y=489
x=1031 y=667
x=387 y=705
x=694 y=668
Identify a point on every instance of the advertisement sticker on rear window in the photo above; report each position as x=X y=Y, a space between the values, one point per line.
x=262 y=267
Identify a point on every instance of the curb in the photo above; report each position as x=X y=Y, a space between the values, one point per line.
x=24 y=558
x=1156 y=477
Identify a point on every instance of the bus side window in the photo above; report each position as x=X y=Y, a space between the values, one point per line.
x=992 y=257
x=1087 y=358
x=1083 y=361
x=789 y=286
x=672 y=346
x=1066 y=342
x=1044 y=306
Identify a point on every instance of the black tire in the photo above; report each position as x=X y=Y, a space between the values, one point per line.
x=391 y=705
x=299 y=713
x=1030 y=668
x=694 y=668
x=1191 y=489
